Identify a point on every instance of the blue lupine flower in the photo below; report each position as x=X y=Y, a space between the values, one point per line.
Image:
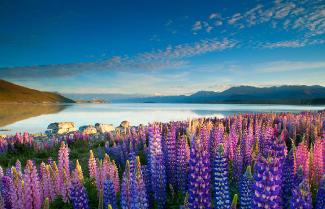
x=220 y=180
x=246 y=189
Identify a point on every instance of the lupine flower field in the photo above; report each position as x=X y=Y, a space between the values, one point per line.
x=264 y=160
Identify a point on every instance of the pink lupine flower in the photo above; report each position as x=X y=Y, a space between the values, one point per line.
x=64 y=171
x=32 y=187
x=92 y=165
x=302 y=158
x=1 y=172
x=18 y=193
x=318 y=164
x=51 y=183
x=63 y=158
x=55 y=178
x=100 y=177
x=232 y=142
x=115 y=177
x=46 y=183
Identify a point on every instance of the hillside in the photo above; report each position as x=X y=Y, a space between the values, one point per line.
x=12 y=93
x=247 y=95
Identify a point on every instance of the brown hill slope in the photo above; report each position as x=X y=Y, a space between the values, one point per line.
x=12 y=93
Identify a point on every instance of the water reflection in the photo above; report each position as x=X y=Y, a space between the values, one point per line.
x=35 y=118
x=11 y=113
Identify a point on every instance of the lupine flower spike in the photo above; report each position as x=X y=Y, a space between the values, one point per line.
x=79 y=197
x=246 y=190
x=220 y=180
x=234 y=202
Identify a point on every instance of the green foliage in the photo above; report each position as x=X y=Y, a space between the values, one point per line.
x=24 y=153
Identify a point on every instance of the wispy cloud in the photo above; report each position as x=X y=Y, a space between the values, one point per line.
x=286 y=66
x=306 y=18
x=168 y=58
x=197 y=26
x=188 y=50
x=291 y=44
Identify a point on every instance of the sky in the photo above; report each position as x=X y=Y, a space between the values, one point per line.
x=161 y=47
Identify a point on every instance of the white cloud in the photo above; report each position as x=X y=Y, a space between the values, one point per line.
x=209 y=28
x=197 y=26
x=286 y=66
x=292 y=43
x=168 y=58
x=214 y=15
x=284 y=44
x=235 y=18
x=304 y=17
x=188 y=50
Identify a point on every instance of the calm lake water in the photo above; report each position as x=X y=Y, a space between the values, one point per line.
x=35 y=118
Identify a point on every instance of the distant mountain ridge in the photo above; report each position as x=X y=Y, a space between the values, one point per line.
x=107 y=97
x=12 y=93
x=247 y=95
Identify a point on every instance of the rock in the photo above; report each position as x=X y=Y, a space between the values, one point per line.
x=120 y=130
x=61 y=127
x=88 y=129
x=103 y=128
x=125 y=124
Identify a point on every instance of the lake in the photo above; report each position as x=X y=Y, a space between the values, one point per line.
x=35 y=118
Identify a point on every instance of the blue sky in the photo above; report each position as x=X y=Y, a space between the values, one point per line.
x=161 y=47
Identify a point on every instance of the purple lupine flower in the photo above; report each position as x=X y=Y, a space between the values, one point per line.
x=249 y=142
x=299 y=176
x=171 y=155
x=232 y=142
x=6 y=192
x=114 y=176
x=18 y=166
x=238 y=164
x=8 y=172
x=157 y=166
x=301 y=196
x=246 y=190
x=109 y=194
x=199 y=177
x=267 y=186
x=100 y=153
x=64 y=171
x=146 y=179
x=140 y=200
x=215 y=140
x=220 y=180
x=51 y=182
x=32 y=187
x=126 y=187
x=18 y=194
x=78 y=194
x=266 y=141
x=279 y=148
x=320 y=198
x=182 y=164
x=55 y=178
x=100 y=176
x=287 y=179
x=44 y=181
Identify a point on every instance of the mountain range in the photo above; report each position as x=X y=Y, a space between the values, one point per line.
x=298 y=94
